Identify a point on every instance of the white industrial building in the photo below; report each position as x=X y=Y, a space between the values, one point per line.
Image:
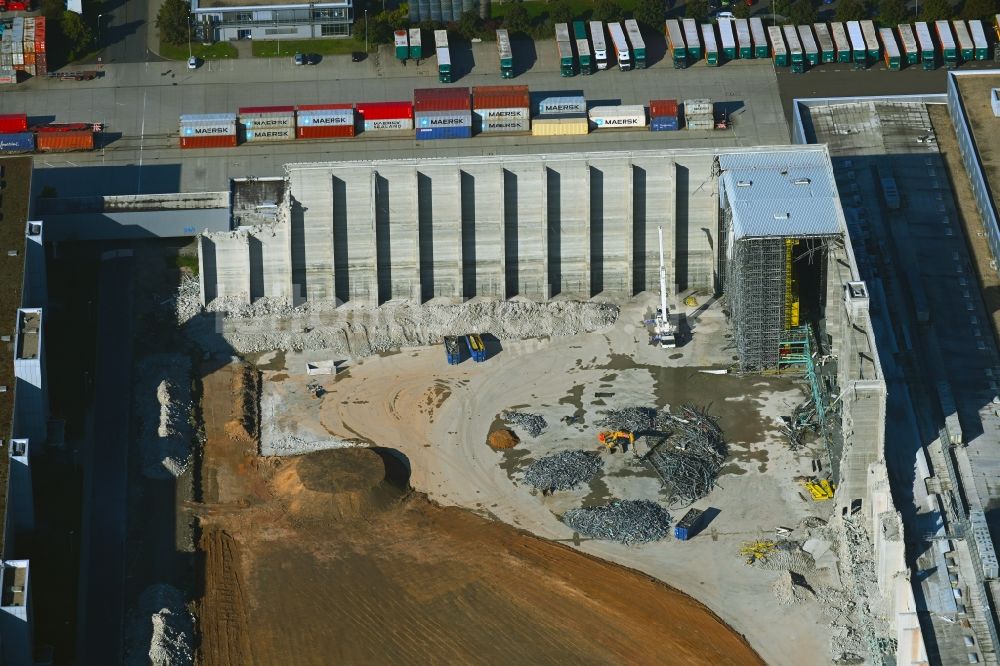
x=227 y=20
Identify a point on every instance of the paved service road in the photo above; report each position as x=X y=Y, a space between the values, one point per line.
x=106 y=472
x=125 y=28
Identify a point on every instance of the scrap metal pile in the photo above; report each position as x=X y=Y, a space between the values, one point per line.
x=624 y=521
x=533 y=424
x=562 y=471
x=686 y=450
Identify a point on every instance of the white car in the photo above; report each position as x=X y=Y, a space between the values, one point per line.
x=193 y=62
x=724 y=15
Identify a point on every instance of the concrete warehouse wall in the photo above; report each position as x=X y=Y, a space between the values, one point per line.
x=538 y=226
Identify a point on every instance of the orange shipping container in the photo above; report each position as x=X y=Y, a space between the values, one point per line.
x=324 y=132
x=217 y=141
x=61 y=142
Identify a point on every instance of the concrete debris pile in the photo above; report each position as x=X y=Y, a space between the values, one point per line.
x=533 y=424
x=562 y=471
x=688 y=460
x=785 y=556
x=792 y=588
x=162 y=633
x=859 y=576
x=639 y=420
x=163 y=404
x=356 y=332
x=187 y=301
x=625 y=521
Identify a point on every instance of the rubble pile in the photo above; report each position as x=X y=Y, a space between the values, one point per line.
x=562 y=471
x=625 y=521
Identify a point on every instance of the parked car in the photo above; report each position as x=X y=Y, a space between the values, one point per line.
x=723 y=15
x=306 y=58
x=194 y=62
x=358 y=56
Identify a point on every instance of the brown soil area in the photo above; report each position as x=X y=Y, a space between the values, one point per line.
x=331 y=558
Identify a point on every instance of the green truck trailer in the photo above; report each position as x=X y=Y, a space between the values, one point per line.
x=583 y=47
x=565 y=50
x=401 y=38
x=505 y=54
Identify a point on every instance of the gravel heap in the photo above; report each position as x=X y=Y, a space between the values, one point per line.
x=355 y=331
x=562 y=471
x=636 y=419
x=187 y=302
x=624 y=521
x=791 y=588
x=533 y=424
x=163 y=403
x=163 y=631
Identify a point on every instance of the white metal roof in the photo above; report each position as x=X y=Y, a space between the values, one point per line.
x=780 y=194
x=907 y=38
x=978 y=34
x=708 y=32
x=840 y=37
x=823 y=36
x=757 y=31
x=726 y=33
x=889 y=42
x=777 y=41
x=691 y=34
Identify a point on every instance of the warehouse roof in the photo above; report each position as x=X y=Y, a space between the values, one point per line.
x=780 y=194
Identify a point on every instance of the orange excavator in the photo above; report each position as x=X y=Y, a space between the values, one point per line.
x=611 y=439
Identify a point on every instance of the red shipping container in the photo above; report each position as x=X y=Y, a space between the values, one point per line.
x=441 y=99
x=384 y=110
x=658 y=108
x=12 y=123
x=324 y=132
x=501 y=97
x=323 y=107
x=62 y=142
x=216 y=141
x=246 y=110
x=62 y=127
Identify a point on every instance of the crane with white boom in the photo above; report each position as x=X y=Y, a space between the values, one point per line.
x=663 y=332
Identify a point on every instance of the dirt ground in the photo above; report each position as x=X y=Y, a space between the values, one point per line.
x=331 y=558
x=440 y=416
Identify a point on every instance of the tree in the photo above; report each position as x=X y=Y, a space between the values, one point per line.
x=803 y=13
x=782 y=8
x=560 y=11
x=697 y=10
x=469 y=25
x=172 y=21
x=935 y=10
x=980 y=9
x=517 y=19
x=892 y=12
x=742 y=10
x=650 y=13
x=851 y=10
x=77 y=33
x=607 y=10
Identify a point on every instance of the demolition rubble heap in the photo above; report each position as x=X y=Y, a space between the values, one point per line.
x=562 y=471
x=625 y=521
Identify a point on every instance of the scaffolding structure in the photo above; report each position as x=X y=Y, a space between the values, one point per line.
x=756 y=287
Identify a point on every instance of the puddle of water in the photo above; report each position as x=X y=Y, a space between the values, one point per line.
x=575 y=398
x=733 y=469
x=274 y=360
x=599 y=493
x=514 y=460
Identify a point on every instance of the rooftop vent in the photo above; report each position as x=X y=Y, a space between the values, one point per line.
x=802 y=181
x=781 y=216
x=744 y=183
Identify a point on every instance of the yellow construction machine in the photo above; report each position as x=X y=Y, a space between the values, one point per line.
x=610 y=439
x=821 y=490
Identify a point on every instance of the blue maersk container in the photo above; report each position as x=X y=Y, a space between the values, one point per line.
x=443 y=124
x=664 y=124
x=23 y=142
x=459 y=132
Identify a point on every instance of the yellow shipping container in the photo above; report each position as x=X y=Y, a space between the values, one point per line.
x=559 y=126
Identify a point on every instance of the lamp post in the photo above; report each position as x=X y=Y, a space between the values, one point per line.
x=189 y=36
x=366 y=31
x=99 y=17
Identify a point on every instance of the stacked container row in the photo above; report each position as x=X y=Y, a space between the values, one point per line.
x=324 y=121
x=663 y=115
x=442 y=113
x=623 y=116
x=22 y=48
x=267 y=123
x=699 y=114
x=385 y=116
x=561 y=116
x=208 y=130
x=502 y=109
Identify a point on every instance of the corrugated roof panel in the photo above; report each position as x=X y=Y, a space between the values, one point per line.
x=780 y=194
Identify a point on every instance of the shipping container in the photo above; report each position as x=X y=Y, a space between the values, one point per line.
x=219 y=141
x=859 y=52
x=438 y=119
x=664 y=124
x=264 y=111
x=759 y=35
x=502 y=120
x=22 y=142
x=699 y=122
x=890 y=49
x=600 y=44
x=659 y=108
x=564 y=50
x=443 y=55
x=631 y=116
x=504 y=54
x=312 y=117
x=779 y=53
x=966 y=49
x=583 y=47
x=562 y=105
x=795 y=55
x=692 y=39
x=12 y=123
x=269 y=122
x=979 y=40
x=808 y=45
x=949 y=52
x=711 y=48
x=637 y=42
x=218 y=118
x=441 y=99
x=8 y=75
x=500 y=97
x=62 y=142
x=743 y=40
x=416 y=44
x=825 y=42
x=384 y=110
x=909 y=43
x=676 y=47
x=560 y=126
x=401 y=39
x=727 y=38
x=387 y=124
x=324 y=131
x=871 y=40
x=435 y=133
x=928 y=54
x=698 y=107
x=270 y=134
x=688 y=526
x=207 y=129
x=620 y=46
